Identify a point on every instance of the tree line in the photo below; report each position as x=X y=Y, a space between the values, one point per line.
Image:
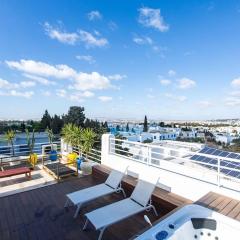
x=75 y=115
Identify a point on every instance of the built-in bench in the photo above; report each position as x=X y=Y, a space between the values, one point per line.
x=164 y=198
x=16 y=171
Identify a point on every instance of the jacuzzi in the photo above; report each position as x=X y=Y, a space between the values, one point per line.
x=194 y=222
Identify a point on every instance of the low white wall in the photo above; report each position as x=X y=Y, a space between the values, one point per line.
x=178 y=183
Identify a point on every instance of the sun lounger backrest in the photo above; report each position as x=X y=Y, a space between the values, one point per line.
x=142 y=192
x=114 y=179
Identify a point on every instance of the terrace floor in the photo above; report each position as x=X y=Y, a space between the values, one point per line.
x=19 y=183
x=39 y=214
x=227 y=206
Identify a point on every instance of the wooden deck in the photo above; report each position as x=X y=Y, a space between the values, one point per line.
x=222 y=204
x=39 y=214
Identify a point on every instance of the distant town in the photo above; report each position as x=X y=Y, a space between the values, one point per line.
x=220 y=133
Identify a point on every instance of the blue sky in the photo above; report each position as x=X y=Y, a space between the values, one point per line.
x=120 y=59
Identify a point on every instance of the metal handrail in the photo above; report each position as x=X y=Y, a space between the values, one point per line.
x=144 y=155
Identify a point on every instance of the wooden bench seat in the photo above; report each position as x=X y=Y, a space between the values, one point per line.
x=167 y=199
x=16 y=171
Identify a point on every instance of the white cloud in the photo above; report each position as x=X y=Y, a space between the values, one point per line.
x=186 y=83
x=205 y=104
x=165 y=82
x=40 y=80
x=94 y=80
x=171 y=73
x=46 y=93
x=236 y=82
x=233 y=99
x=175 y=97
x=150 y=17
x=88 y=94
x=14 y=93
x=74 y=96
x=150 y=96
x=90 y=40
x=81 y=81
x=42 y=69
x=61 y=93
x=105 y=98
x=143 y=40
x=72 y=38
x=27 y=84
x=86 y=58
x=117 y=77
x=4 y=84
x=94 y=15
x=61 y=36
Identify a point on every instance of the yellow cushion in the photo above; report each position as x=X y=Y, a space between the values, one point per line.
x=71 y=158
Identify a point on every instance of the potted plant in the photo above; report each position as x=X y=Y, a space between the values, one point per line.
x=31 y=144
x=53 y=152
x=69 y=134
x=77 y=143
x=88 y=139
x=10 y=136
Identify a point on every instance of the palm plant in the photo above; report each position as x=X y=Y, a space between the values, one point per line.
x=77 y=138
x=30 y=141
x=68 y=133
x=10 y=136
x=52 y=152
x=88 y=139
x=50 y=137
x=31 y=144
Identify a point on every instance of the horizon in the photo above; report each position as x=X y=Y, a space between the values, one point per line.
x=172 y=61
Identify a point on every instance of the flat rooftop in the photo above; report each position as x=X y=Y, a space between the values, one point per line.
x=40 y=213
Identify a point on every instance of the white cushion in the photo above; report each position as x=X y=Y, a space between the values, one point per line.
x=142 y=192
x=113 y=213
x=89 y=193
x=114 y=179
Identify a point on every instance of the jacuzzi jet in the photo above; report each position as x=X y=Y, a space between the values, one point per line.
x=162 y=235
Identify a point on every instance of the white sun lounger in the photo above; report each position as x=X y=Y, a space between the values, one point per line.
x=111 y=185
x=139 y=201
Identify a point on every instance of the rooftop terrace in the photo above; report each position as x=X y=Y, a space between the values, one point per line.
x=34 y=208
x=39 y=213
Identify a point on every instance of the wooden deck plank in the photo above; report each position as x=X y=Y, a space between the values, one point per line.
x=39 y=214
x=229 y=207
x=235 y=211
x=222 y=204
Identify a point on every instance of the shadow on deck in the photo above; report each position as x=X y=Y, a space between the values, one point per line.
x=39 y=214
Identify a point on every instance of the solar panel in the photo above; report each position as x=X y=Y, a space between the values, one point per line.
x=225 y=171
x=213 y=161
x=234 y=173
x=223 y=154
x=217 y=152
x=204 y=150
x=210 y=151
x=194 y=157
x=233 y=155
x=200 y=158
x=223 y=163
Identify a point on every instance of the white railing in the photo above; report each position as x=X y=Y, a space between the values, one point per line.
x=22 y=150
x=94 y=155
x=158 y=156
